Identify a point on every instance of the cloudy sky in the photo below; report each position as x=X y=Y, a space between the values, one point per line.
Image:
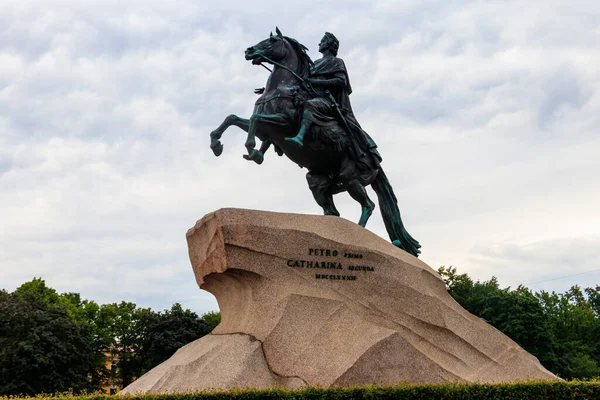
x=487 y=115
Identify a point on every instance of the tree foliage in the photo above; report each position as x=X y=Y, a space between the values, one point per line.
x=561 y=330
x=212 y=319
x=53 y=342
x=41 y=348
x=165 y=332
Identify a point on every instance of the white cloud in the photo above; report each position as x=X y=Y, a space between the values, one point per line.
x=486 y=115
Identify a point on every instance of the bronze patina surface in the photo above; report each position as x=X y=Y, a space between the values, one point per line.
x=304 y=112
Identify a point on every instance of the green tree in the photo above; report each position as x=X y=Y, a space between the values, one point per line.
x=41 y=348
x=562 y=330
x=574 y=327
x=212 y=319
x=37 y=290
x=518 y=314
x=88 y=315
x=120 y=332
x=85 y=314
x=136 y=338
x=594 y=299
x=165 y=332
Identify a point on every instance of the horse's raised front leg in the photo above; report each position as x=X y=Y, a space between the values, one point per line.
x=215 y=135
x=255 y=120
x=259 y=156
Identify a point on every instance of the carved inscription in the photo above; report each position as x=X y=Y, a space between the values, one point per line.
x=314 y=262
x=353 y=255
x=323 y=252
x=336 y=277
x=360 y=268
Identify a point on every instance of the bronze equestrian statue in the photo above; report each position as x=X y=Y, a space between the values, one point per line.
x=304 y=111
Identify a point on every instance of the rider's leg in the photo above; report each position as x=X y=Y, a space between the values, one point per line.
x=230 y=120
x=320 y=186
x=304 y=127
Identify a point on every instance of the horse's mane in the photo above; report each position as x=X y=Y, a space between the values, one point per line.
x=305 y=61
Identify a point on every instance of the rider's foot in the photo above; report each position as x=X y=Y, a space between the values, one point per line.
x=296 y=140
x=256 y=156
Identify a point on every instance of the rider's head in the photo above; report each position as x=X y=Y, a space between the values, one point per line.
x=330 y=42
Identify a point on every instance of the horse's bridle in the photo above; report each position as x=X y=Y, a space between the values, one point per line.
x=301 y=79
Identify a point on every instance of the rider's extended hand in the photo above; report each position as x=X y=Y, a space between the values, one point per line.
x=259 y=90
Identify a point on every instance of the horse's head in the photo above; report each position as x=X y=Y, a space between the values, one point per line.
x=274 y=48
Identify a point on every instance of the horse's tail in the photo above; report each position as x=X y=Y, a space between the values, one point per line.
x=391 y=215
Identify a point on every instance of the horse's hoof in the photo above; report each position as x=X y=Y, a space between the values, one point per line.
x=296 y=141
x=217 y=149
x=366 y=214
x=255 y=156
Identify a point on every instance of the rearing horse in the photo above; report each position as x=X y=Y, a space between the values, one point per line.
x=326 y=152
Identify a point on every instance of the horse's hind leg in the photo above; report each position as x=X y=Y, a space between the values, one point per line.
x=320 y=186
x=359 y=193
x=356 y=190
x=215 y=135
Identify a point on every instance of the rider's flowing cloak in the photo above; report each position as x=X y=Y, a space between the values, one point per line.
x=363 y=147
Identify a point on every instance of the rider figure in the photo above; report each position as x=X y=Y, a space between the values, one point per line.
x=329 y=77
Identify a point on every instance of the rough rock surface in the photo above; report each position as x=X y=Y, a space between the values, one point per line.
x=373 y=315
